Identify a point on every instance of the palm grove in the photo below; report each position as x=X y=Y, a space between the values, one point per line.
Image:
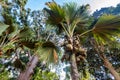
x=31 y=41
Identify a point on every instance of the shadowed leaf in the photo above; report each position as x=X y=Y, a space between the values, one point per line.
x=3 y=27
x=106 y=28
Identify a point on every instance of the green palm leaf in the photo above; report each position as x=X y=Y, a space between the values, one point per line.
x=29 y=43
x=106 y=28
x=48 y=52
x=68 y=17
x=3 y=27
x=8 y=46
x=15 y=31
x=26 y=32
x=56 y=13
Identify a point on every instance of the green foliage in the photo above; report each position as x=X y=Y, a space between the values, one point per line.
x=3 y=28
x=22 y=3
x=48 y=52
x=73 y=16
x=4 y=75
x=85 y=75
x=14 y=31
x=29 y=43
x=8 y=46
x=8 y=19
x=56 y=13
x=107 y=10
x=26 y=32
x=44 y=75
x=69 y=17
x=106 y=28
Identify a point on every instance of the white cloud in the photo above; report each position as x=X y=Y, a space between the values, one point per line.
x=97 y=4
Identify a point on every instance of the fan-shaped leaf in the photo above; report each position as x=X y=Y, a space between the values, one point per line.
x=8 y=46
x=106 y=28
x=30 y=43
x=56 y=13
x=26 y=32
x=14 y=32
x=48 y=52
x=3 y=27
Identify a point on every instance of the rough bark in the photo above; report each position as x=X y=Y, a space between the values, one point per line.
x=111 y=69
x=26 y=74
x=74 y=69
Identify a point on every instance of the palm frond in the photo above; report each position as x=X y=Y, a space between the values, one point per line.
x=8 y=19
x=26 y=32
x=15 y=31
x=75 y=16
x=70 y=12
x=48 y=52
x=29 y=43
x=106 y=28
x=56 y=13
x=3 y=27
x=8 y=46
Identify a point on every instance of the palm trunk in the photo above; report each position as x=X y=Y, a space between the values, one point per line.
x=26 y=74
x=109 y=66
x=74 y=69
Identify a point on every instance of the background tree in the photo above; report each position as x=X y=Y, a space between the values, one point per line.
x=107 y=10
x=27 y=39
x=21 y=38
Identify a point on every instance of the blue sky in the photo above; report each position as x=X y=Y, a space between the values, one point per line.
x=95 y=4
x=39 y=4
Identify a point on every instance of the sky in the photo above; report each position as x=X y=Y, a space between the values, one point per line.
x=94 y=4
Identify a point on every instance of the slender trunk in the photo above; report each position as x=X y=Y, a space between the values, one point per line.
x=111 y=69
x=74 y=69
x=26 y=74
x=107 y=64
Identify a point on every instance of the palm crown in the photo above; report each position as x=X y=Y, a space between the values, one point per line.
x=73 y=18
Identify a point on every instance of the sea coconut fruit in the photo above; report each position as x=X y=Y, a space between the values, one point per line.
x=76 y=49
x=81 y=49
x=69 y=46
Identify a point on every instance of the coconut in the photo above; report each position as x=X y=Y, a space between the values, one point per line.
x=81 y=49
x=69 y=46
x=77 y=59
x=76 y=42
x=76 y=49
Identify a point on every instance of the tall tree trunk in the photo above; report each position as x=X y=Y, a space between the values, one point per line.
x=108 y=65
x=26 y=74
x=74 y=69
x=110 y=68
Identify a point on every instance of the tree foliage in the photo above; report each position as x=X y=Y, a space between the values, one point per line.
x=25 y=34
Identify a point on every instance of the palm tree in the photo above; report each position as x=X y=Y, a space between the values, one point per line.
x=106 y=31
x=68 y=18
x=21 y=38
x=73 y=19
x=13 y=37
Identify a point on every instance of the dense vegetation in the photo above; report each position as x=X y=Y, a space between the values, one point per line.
x=107 y=10
x=34 y=43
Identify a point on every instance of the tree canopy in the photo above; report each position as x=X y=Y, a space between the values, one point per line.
x=33 y=43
